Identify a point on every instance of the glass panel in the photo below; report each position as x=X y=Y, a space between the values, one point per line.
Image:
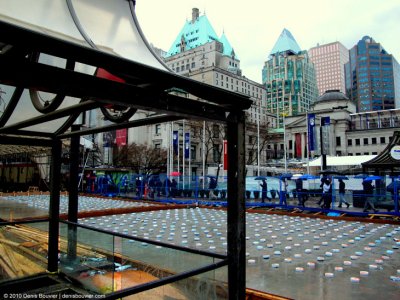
x=20 y=206
x=104 y=263
x=6 y=92
x=23 y=251
x=211 y=285
x=26 y=110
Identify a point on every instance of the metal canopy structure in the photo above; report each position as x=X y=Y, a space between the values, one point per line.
x=386 y=160
x=61 y=59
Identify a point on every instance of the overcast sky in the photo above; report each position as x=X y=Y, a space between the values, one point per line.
x=253 y=26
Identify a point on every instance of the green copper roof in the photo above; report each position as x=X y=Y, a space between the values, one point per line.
x=285 y=42
x=228 y=50
x=193 y=35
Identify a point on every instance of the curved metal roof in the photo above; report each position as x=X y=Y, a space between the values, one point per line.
x=385 y=160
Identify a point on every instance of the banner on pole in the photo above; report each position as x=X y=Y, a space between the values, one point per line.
x=325 y=124
x=311 y=132
x=121 y=137
x=175 y=141
x=187 y=145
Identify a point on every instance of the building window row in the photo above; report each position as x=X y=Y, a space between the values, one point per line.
x=366 y=141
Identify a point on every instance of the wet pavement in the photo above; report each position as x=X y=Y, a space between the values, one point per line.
x=301 y=258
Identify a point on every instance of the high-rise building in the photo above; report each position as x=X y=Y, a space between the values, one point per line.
x=199 y=53
x=329 y=61
x=372 y=77
x=289 y=77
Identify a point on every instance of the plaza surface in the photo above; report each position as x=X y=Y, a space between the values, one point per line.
x=23 y=206
x=292 y=256
x=300 y=258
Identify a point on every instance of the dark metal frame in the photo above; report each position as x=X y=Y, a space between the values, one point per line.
x=145 y=88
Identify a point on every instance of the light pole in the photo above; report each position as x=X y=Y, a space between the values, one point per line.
x=258 y=138
x=284 y=141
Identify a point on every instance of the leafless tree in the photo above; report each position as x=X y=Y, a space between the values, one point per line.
x=213 y=138
x=142 y=159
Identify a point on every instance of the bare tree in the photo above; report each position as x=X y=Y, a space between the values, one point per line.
x=142 y=159
x=252 y=142
x=213 y=137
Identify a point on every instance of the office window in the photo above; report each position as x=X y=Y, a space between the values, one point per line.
x=338 y=141
x=373 y=141
x=349 y=142
x=216 y=153
x=215 y=131
x=365 y=141
x=193 y=152
x=357 y=142
x=158 y=129
x=383 y=140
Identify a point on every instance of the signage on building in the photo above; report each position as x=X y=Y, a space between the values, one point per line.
x=395 y=152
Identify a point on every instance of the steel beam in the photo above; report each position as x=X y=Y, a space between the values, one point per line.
x=236 y=206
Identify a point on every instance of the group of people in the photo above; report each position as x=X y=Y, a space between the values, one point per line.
x=155 y=187
x=169 y=188
x=326 y=200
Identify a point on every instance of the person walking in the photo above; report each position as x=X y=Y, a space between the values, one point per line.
x=369 y=196
x=212 y=186
x=264 y=190
x=321 y=186
x=327 y=194
x=300 y=192
x=139 y=188
x=342 y=191
x=174 y=186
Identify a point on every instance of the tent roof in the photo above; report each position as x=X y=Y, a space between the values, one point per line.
x=385 y=160
x=341 y=160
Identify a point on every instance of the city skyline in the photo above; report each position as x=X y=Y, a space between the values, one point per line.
x=254 y=28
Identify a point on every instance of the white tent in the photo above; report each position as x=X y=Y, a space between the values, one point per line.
x=341 y=160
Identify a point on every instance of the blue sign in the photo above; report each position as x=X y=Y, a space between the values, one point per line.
x=325 y=121
x=175 y=142
x=187 y=144
x=311 y=132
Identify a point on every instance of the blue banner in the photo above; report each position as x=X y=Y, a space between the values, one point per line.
x=187 y=145
x=311 y=132
x=325 y=121
x=175 y=139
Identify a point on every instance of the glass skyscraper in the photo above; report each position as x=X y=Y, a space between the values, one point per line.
x=372 y=77
x=289 y=78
